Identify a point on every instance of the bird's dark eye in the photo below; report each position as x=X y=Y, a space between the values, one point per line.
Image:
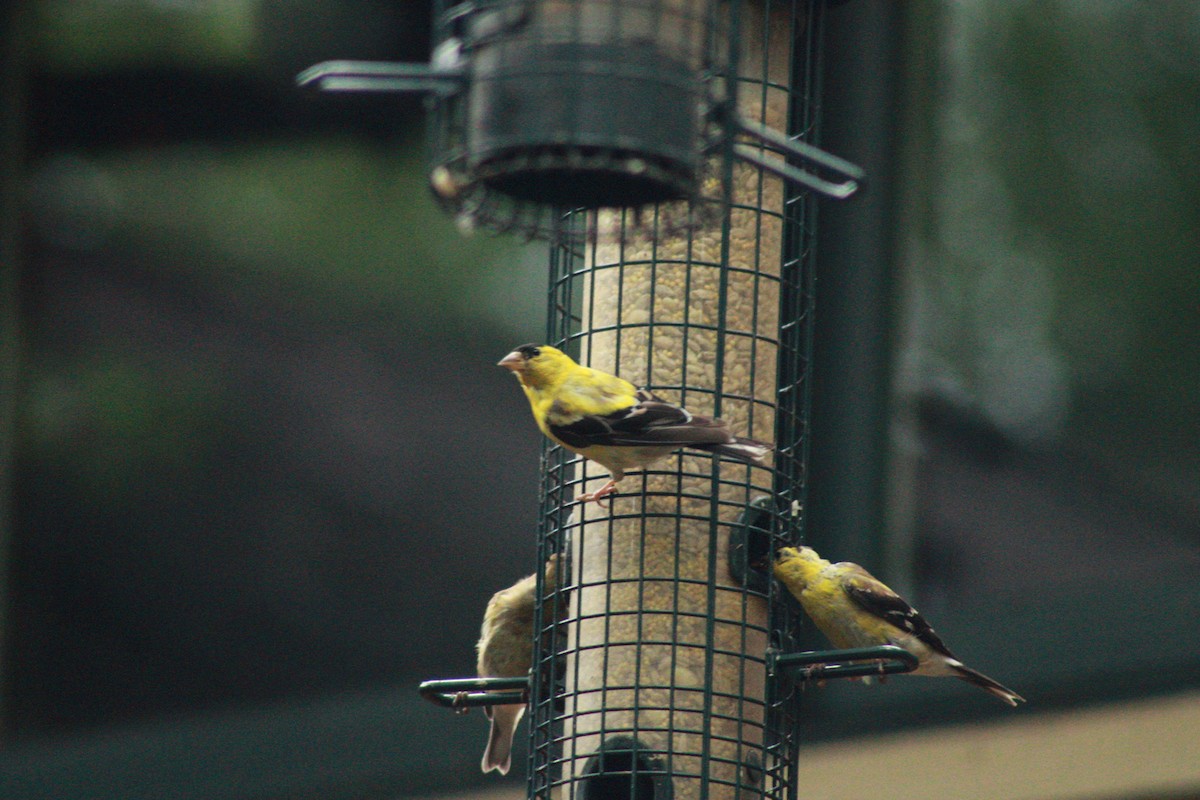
x=529 y=351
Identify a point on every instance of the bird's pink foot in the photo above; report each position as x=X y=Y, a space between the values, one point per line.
x=606 y=490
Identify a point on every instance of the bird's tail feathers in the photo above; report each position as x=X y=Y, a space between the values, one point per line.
x=744 y=450
x=498 y=753
x=987 y=684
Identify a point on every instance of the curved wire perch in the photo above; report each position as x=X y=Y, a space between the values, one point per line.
x=849 y=175
x=885 y=659
x=382 y=76
x=463 y=693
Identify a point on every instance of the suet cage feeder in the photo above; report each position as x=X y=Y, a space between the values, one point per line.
x=543 y=107
x=668 y=149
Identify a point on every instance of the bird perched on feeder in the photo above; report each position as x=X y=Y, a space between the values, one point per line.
x=505 y=650
x=607 y=420
x=855 y=609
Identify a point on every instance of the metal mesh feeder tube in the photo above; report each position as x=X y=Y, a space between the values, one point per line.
x=662 y=660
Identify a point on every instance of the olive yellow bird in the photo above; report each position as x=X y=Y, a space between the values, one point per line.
x=505 y=650
x=855 y=609
x=607 y=420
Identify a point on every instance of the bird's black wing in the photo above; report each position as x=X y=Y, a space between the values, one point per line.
x=873 y=596
x=648 y=422
x=653 y=421
x=587 y=431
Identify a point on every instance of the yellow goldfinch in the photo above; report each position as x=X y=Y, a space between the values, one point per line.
x=604 y=418
x=854 y=609
x=505 y=650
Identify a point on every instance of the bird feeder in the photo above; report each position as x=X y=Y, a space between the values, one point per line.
x=541 y=107
x=667 y=149
x=666 y=679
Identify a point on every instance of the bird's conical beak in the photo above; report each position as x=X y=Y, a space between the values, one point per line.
x=513 y=361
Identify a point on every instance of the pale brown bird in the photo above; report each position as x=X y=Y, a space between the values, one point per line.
x=505 y=650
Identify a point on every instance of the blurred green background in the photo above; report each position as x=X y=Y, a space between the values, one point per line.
x=258 y=459
x=260 y=474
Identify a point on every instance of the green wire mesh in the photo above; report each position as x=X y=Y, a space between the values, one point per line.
x=654 y=684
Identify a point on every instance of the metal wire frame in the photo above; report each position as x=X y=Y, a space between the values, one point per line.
x=750 y=742
x=794 y=401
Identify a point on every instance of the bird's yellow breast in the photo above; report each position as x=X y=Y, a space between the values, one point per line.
x=575 y=394
x=829 y=607
x=814 y=583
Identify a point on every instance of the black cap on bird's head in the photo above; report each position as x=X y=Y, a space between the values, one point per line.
x=516 y=360
x=538 y=366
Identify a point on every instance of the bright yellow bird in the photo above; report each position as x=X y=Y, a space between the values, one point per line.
x=505 y=650
x=855 y=609
x=606 y=419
